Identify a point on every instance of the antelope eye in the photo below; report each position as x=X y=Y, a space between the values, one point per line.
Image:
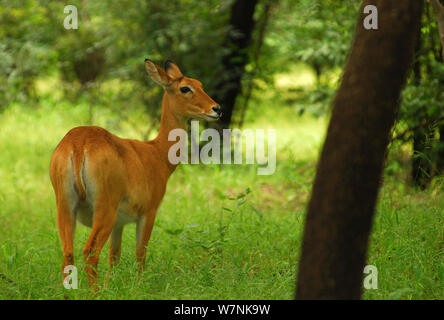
x=185 y=89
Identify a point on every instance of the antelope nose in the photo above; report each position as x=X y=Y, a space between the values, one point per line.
x=218 y=110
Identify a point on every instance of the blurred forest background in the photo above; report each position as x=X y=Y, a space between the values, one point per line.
x=243 y=51
x=269 y=63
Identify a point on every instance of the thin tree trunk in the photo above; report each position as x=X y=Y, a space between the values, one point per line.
x=440 y=153
x=422 y=156
x=238 y=41
x=421 y=168
x=439 y=13
x=341 y=208
x=259 y=42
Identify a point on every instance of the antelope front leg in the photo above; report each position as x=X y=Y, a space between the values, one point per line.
x=143 y=234
x=115 y=242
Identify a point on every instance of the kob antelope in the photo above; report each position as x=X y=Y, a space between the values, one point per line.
x=106 y=182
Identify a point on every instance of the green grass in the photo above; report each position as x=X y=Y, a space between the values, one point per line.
x=212 y=238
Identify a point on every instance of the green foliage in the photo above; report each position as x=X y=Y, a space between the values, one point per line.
x=421 y=116
x=25 y=49
x=111 y=42
x=114 y=37
x=318 y=33
x=315 y=33
x=424 y=100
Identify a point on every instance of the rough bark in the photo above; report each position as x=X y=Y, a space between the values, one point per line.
x=345 y=189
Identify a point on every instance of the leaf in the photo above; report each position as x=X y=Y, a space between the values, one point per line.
x=192 y=225
x=258 y=212
x=242 y=195
x=174 y=232
x=400 y=293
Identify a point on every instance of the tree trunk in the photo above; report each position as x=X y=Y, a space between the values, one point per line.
x=238 y=40
x=263 y=23
x=345 y=189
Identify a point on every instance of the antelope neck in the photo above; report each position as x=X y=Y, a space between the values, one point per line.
x=168 y=122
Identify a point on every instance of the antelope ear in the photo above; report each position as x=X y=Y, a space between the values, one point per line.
x=157 y=73
x=172 y=70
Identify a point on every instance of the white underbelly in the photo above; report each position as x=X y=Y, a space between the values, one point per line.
x=85 y=215
x=124 y=217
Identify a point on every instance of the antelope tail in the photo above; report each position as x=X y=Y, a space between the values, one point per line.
x=78 y=161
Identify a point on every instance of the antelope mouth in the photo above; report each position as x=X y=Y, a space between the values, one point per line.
x=210 y=117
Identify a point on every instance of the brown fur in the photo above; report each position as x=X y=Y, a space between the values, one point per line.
x=93 y=168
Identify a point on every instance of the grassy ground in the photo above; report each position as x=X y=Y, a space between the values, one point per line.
x=221 y=232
